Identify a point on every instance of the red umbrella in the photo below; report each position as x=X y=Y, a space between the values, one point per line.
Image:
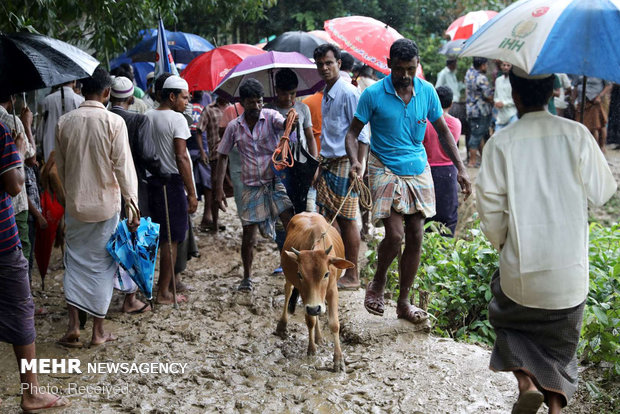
x=206 y=71
x=465 y=26
x=365 y=38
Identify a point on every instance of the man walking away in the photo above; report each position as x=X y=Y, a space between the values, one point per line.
x=535 y=213
x=95 y=166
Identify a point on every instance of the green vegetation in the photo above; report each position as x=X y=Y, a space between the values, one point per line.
x=457 y=273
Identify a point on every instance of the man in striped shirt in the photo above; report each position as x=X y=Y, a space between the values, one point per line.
x=16 y=304
x=264 y=196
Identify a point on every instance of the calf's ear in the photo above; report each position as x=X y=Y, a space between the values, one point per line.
x=293 y=256
x=340 y=263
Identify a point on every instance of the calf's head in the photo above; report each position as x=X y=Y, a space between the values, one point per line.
x=315 y=269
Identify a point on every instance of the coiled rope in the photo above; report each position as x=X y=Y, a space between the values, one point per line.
x=283 y=156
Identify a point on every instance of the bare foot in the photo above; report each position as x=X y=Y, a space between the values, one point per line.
x=42 y=401
x=71 y=339
x=169 y=299
x=102 y=339
x=348 y=283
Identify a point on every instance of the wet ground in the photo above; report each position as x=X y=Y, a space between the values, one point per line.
x=236 y=364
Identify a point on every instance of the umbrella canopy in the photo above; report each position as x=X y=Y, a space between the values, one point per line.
x=301 y=42
x=137 y=252
x=31 y=61
x=367 y=39
x=452 y=48
x=322 y=34
x=206 y=71
x=52 y=211
x=263 y=68
x=565 y=36
x=465 y=26
x=183 y=46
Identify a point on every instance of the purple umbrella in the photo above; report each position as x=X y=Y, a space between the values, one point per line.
x=263 y=68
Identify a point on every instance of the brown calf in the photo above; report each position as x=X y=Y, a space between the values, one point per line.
x=312 y=263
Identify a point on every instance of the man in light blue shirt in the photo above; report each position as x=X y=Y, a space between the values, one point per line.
x=398 y=108
x=338 y=107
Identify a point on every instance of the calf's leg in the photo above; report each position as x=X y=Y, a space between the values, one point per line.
x=311 y=321
x=281 y=328
x=318 y=337
x=334 y=326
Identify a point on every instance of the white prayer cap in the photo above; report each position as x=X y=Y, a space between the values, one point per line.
x=150 y=75
x=121 y=87
x=517 y=71
x=175 y=82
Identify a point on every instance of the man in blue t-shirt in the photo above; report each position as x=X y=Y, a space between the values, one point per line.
x=398 y=108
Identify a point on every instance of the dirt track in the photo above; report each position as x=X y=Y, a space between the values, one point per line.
x=236 y=364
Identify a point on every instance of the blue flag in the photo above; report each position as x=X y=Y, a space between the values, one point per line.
x=163 y=58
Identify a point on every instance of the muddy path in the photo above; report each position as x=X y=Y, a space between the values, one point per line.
x=236 y=364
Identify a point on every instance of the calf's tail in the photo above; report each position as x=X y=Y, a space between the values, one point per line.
x=293 y=301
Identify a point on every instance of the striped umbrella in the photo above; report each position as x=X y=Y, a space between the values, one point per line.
x=465 y=26
x=579 y=37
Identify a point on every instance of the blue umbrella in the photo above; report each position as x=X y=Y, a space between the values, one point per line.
x=579 y=37
x=183 y=46
x=137 y=252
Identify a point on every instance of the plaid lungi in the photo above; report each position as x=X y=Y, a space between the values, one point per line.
x=406 y=194
x=263 y=204
x=540 y=342
x=332 y=189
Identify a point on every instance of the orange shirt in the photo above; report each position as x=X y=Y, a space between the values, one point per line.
x=314 y=103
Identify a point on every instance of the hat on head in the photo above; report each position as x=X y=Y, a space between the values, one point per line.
x=150 y=75
x=175 y=82
x=122 y=87
x=520 y=73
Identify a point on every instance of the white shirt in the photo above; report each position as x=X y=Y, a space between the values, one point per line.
x=532 y=194
x=446 y=77
x=503 y=94
x=51 y=111
x=560 y=101
x=168 y=125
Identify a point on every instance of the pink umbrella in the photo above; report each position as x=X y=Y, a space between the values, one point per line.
x=465 y=26
x=206 y=71
x=367 y=39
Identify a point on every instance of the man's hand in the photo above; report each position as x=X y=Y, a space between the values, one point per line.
x=220 y=198
x=41 y=222
x=463 y=180
x=499 y=104
x=296 y=120
x=356 y=170
x=192 y=203
x=203 y=158
x=26 y=117
x=133 y=224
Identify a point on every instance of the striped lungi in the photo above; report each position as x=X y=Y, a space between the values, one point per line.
x=406 y=194
x=263 y=204
x=16 y=305
x=332 y=188
x=89 y=269
x=539 y=342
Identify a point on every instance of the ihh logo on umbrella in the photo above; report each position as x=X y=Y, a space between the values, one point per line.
x=541 y=11
x=520 y=31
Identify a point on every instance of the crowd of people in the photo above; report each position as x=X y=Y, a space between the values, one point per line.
x=120 y=152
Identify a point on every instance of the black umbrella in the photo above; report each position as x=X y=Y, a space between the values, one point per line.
x=30 y=61
x=301 y=42
x=453 y=47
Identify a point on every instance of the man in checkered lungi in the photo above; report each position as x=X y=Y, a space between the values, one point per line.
x=536 y=214
x=398 y=108
x=337 y=107
x=264 y=197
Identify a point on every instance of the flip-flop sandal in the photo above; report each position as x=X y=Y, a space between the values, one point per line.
x=51 y=406
x=374 y=301
x=411 y=314
x=70 y=343
x=141 y=310
x=528 y=402
x=278 y=271
x=246 y=285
